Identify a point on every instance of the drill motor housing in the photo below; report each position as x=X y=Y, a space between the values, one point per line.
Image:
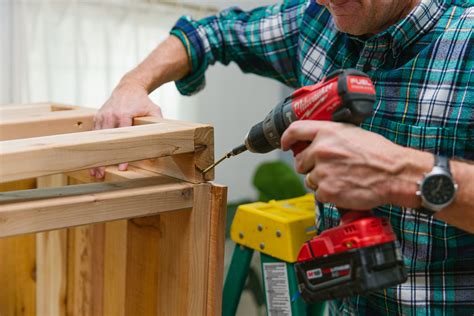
x=343 y=96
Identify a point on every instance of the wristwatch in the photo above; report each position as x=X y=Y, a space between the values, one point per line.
x=437 y=189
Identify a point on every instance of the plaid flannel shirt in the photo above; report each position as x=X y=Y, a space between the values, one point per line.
x=423 y=71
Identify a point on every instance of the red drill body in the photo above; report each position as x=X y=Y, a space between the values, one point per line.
x=344 y=96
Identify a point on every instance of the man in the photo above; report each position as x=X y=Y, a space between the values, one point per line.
x=419 y=53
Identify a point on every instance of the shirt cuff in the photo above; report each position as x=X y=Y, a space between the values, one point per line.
x=188 y=33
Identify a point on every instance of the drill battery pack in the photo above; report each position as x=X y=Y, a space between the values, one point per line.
x=353 y=272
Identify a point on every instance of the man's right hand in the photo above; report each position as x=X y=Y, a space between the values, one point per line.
x=168 y=62
x=127 y=101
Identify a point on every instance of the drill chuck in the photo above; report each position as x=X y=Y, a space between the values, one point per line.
x=265 y=136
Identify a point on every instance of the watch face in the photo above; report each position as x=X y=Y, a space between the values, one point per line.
x=438 y=189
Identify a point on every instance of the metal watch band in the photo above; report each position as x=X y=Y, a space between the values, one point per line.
x=441 y=162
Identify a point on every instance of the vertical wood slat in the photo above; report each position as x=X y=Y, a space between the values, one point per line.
x=18 y=266
x=51 y=258
x=217 y=248
x=85 y=270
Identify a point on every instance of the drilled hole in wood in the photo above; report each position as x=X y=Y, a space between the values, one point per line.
x=79 y=124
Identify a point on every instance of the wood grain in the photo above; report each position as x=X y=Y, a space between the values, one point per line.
x=165 y=259
x=51 y=262
x=217 y=248
x=134 y=200
x=199 y=255
x=34 y=120
x=18 y=267
x=187 y=166
x=69 y=152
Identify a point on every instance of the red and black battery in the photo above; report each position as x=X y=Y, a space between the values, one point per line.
x=358 y=256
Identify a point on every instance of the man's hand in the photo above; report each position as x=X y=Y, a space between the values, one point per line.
x=354 y=168
x=168 y=62
x=128 y=100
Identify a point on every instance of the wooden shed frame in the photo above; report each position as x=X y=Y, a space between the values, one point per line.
x=147 y=241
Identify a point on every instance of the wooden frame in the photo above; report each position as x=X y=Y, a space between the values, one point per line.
x=147 y=241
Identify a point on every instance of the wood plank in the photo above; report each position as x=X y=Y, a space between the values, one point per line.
x=51 y=258
x=21 y=109
x=43 y=119
x=18 y=267
x=175 y=247
x=135 y=200
x=19 y=113
x=48 y=124
x=217 y=248
x=198 y=287
x=86 y=247
x=144 y=262
x=80 y=189
x=18 y=185
x=18 y=275
x=115 y=267
x=112 y=174
x=69 y=152
x=187 y=166
x=121 y=239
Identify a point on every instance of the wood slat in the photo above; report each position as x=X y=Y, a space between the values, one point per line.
x=217 y=248
x=18 y=267
x=51 y=262
x=35 y=120
x=136 y=200
x=62 y=153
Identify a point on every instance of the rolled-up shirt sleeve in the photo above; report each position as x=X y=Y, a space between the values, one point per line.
x=263 y=41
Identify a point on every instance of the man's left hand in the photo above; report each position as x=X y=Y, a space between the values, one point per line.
x=351 y=167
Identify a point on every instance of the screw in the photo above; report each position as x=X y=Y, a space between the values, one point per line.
x=241 y=235
x=262 y=246
x=278 y=233
x=260 y=227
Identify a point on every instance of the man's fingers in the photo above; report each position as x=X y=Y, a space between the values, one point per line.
x=100 y=172
x=155 y=110
x=301 y=131
x=311 y=182
x=125 y=121
x=123 y=166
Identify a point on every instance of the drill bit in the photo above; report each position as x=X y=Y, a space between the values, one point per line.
x=234 y=152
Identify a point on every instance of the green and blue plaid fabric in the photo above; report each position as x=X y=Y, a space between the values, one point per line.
x=423 y=71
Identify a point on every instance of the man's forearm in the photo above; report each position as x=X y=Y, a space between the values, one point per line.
x=461 y=212
x=168 y=62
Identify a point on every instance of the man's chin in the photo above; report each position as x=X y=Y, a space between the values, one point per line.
x=350 y=28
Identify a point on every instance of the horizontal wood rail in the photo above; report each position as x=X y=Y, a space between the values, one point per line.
x=40 y=156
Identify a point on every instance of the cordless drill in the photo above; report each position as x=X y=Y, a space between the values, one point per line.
x=362 y=253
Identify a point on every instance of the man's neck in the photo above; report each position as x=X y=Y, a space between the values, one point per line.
x=399 y=15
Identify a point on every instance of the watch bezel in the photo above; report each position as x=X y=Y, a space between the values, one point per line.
x=437 y=171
